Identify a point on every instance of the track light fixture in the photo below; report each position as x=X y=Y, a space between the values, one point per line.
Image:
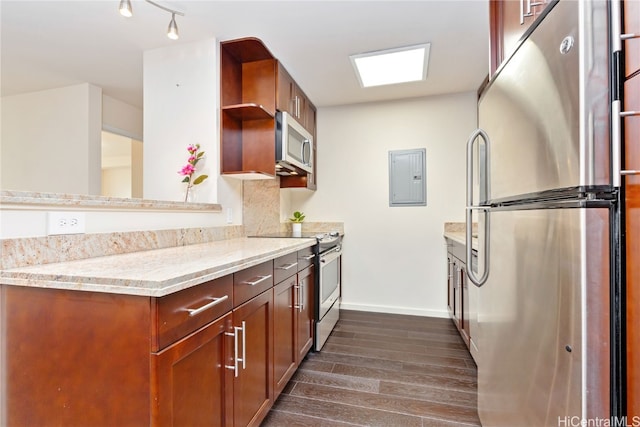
x=125 y=8
x=172 y=31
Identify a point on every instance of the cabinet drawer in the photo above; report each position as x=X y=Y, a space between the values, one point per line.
x=306 y=257
x=284 y=267
x=251 y=282
x=183 y=312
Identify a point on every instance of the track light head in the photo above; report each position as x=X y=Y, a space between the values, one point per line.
x=125 y=8
x=172 y=31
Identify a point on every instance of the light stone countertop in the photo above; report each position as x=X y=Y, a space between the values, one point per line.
x=460 y=237
x=157 y=272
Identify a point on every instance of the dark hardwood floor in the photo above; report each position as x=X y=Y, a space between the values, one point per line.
x=383 y=370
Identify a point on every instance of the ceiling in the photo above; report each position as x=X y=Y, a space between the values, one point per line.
x=47 y=44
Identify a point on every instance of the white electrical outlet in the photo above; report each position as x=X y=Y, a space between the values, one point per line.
x=65 y=223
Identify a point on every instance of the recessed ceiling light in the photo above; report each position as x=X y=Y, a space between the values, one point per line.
x=391 y=66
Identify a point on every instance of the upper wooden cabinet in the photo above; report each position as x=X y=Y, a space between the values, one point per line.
x=509 y=20
x=292 y=99
x=247 y=96
x=253 y=85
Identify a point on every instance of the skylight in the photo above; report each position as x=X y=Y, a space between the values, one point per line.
x=391 y=66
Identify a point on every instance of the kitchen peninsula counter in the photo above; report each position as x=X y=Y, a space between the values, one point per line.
x=157 y=272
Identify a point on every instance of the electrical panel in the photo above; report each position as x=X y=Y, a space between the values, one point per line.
x=407 y=177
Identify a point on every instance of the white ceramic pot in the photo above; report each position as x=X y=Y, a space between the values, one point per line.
x=296 y=228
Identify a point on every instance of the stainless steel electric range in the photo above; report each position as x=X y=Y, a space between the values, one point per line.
x=328 y=279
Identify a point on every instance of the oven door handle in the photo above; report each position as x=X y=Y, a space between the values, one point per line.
x=331 y=253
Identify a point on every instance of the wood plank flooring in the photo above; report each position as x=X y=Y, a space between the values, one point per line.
x=383 y=370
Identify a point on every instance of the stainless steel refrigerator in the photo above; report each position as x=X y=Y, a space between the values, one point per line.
x=541 y=185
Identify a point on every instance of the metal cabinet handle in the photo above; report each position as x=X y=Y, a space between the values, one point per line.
x=308 y=257
x=287 y=266
x=244 y=345
x=214 y=302
x=470 y=208
x=301 y=297
x=296 y=302
x=260 y=280
x=235 y=354
x=236 y=332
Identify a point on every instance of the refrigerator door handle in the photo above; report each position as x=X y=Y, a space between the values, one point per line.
x=471 y=207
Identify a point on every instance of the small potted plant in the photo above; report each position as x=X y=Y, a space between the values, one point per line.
x=296 y=223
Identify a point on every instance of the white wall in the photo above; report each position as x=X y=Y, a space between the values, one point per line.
x=51 y=140
x=394 y=258
x=121 y=118
x=181 y=108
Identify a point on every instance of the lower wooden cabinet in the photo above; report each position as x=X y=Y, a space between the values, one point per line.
x=192 y=358
x=192 y=377
x=458 y=289
x=293 y=325
x=284 y=326
x=253 y=379
x=304 y=313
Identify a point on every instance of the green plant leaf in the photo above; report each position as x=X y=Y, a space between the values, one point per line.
x=200 y=154
x=297 y=217
x=186 y=179
x=199 y=179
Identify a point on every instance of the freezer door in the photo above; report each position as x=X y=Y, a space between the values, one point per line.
x=546 y=112
x=543 y=322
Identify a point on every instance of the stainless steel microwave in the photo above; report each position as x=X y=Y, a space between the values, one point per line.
x=294 y=146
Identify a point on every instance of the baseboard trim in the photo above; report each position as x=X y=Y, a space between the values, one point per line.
x=394 y=310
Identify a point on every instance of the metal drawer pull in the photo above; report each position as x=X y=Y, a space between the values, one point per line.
x=287 y=266
x=629 y=172
x=629 y=113
x=261 y=279
x=629 y=36
x=308 y=257
x=214 y=302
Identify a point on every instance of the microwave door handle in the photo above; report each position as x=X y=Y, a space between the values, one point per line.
x=302 y=152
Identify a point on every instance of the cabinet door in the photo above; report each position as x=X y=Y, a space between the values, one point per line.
x=304 y=311
x=464 y=312
x=450 y=284
x=285 y=97
x=509 y=21
x=457 y=295
x=192 y=379
x=253 y=385
x=284 y=323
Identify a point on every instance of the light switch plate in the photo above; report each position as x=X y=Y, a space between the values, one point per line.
x=60 y=222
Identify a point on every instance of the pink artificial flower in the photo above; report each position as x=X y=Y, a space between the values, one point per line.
x=192 y=159
x=192 y=148
x=187 y=170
